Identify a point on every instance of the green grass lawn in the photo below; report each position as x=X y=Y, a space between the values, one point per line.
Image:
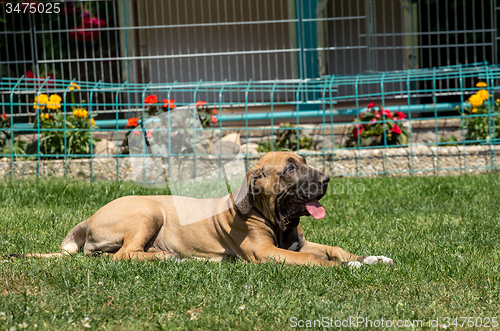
x=441 y=232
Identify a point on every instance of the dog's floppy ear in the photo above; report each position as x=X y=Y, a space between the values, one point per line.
x=245 y=197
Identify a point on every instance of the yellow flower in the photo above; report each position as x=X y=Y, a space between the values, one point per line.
x=475 y=101
x=40 y=101
x=474 y=110
x=73 y=86
x=483 y=94
x=80 y=112
x=498 y=100
x=92 y=122
x=481 y=84
x=46 y=116
x=54 y=102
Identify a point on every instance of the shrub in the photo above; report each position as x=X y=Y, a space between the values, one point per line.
x=477 y=126
x=18 y=147
x=371 y=128
x=287 y=140
x=77 y=127
x=181 y=137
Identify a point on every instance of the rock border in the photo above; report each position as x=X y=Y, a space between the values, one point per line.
x=417 y=160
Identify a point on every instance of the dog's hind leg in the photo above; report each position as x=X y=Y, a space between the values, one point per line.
x=135 y=243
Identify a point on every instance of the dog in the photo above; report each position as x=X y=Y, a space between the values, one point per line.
x=258 y=222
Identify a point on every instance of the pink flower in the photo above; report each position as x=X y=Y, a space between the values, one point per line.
x=93 y=22
x=363 y=114
x=358 y=128
x=377 y=114
x=149 y=133
x=373 y=121
x=396 y=129
x=399 y=115
x=371 y=105
x=387 y=113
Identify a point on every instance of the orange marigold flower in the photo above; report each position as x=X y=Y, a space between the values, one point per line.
x=151 y=99
x=214 y=111
x=475 y=101
x=132 y=122
x=483 y=94
x=481 y=84
x=200 y=103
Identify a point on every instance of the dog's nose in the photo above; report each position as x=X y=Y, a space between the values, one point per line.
x=324 y=180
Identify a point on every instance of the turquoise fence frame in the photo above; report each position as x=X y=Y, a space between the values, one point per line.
x=18 y=95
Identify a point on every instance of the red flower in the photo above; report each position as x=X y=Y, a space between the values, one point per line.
x=399 y=115
x=29 y=74
x=79 y=34
x=358 y=128
x=214 y=111
x=396 y=129
x=93 y=22
x=200 y=103
x=149 y=133
x=151 y=99
x=214 y=119
x=168 y=103
x=132 y=122
x=363 y=114
x=370 y=105
x=387 y=113
x=4 y=117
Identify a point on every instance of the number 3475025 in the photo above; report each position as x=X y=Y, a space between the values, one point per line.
x=33 y=8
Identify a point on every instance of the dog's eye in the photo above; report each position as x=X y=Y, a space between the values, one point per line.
x=290 y=167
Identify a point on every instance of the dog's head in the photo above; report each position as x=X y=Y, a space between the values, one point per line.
x=283 y=187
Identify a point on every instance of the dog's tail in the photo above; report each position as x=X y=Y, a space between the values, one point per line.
x=70 y=245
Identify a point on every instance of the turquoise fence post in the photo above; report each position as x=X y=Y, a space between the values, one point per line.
x=143 y=129
x=461 y=79
x=117 y=128
x=410 y=138
x=12 y=125
x=38 y=129
x=306 y=38
x=220 y=125
x=169 y=116
x=91 y=131
x=195 y=118
x=434 y=98
x=332 y=126
x=246 y=119
x=66 y=127
x=272 y=115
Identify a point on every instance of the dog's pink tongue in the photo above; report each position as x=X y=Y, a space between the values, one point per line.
x=315 y=209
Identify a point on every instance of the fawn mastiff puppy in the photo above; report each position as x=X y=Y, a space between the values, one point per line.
x=258 y=222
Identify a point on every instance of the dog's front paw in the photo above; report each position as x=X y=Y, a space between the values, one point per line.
x=378 y=259
x=354 y=265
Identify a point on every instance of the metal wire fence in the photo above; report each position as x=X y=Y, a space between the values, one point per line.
x=283 y=74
